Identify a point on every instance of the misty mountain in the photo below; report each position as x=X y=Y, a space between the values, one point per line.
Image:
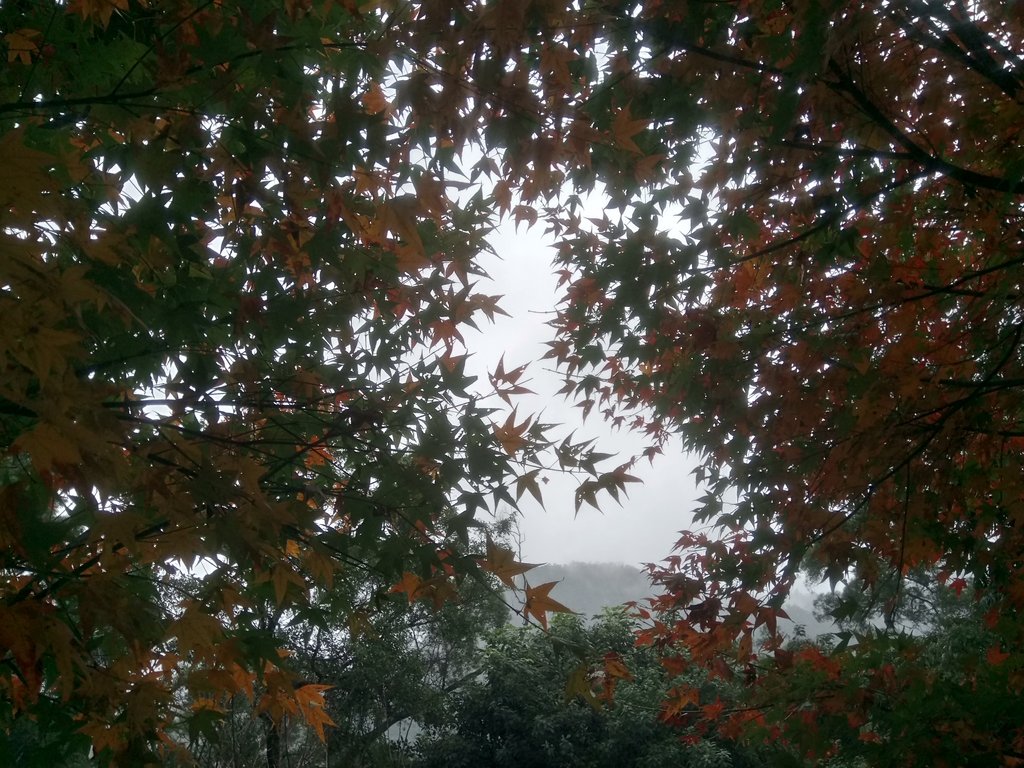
x=589 y=588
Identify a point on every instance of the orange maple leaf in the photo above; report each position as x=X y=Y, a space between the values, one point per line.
x=538 y=604
x=410 y=584
x=615 y=668
x=98 y=10
x=502 y=563
x=713 y=710
x=677 y=700
x=511 y=435
x=311 y=703
x=374 y=100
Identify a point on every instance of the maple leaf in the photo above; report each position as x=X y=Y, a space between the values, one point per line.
x=500 y=376
x=98 y=10
x=196 y=630
x=512 y=436
x=503 y=196
x=538 y=603
x=374 y=100
x=836 y=334
x=713 y=711
x=678 y=700
x=283 y=575
x=502 y=563
x=430 y=192
x=312 y=706
x=411 y=585
x=49 y=450
x=203 y=704
x=625 y=127
x=528 y=482
x=579 y=686
x=22 y=45
x=615 y=668
x=525 y=213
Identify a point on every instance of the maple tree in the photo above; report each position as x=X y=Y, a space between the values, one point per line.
x=238 y=251
x=833 y=327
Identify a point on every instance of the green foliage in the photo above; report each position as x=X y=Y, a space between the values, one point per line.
x=931 y=673
x=543 y=699
x=398 y=665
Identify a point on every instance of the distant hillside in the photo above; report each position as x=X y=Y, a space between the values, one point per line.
x=589 y=588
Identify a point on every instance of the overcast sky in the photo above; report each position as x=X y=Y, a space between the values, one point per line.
x=644 y=528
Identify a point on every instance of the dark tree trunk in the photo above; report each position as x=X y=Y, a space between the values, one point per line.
x=273 y=743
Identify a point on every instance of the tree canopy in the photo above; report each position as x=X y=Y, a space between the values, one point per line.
x=834 y=329
x=240 y=242
x=237 y=260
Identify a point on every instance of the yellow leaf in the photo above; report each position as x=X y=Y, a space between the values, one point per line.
x=400 y=217
x=21 y=46
x=203 y=703
x=320 y=567
x=196 y=630
x=579 y=685
x=105 y=736
x=26 y=180
x=431 y=196
x=408 y=259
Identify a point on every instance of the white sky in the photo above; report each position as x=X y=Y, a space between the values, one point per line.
x=645 y=527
